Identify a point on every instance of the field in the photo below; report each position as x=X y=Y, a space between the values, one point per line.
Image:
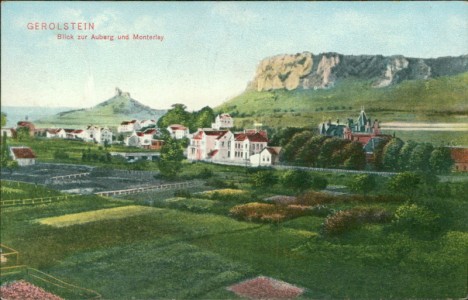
x=191 y=247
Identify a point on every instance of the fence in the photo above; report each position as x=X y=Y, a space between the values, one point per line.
x=70 y=176
x=167 y=186
x=31 y=201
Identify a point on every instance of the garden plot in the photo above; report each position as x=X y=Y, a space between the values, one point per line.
x=266 y=288
x=97 y=215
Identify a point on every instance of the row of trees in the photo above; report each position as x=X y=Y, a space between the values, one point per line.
x=304 y=147
x=307 y=149
x=396 y=155
x=178 y=114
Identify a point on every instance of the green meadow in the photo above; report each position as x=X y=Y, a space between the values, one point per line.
x=190 y=246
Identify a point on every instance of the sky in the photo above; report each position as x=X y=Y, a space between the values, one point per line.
x=209 y=51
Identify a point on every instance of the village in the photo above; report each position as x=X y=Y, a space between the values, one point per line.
x=217 y=144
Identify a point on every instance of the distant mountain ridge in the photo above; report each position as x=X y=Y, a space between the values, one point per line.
x=108 y=113
x=308 y=71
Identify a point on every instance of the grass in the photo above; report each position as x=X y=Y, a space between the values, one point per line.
x=45 y=149
x=177 y=253
x=11 y=190
x=96 y=216
x=438 y=100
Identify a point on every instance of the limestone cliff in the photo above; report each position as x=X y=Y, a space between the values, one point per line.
x=308 y=71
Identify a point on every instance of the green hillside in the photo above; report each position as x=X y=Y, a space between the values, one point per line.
x=109 y=113
x=444 y=99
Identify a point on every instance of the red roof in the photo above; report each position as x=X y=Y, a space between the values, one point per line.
x=124 y=123
x=273 y=150
x=23 y=152
x=78 y=131
x=177 y=127
x=133 y=121
x=151 y=131
x=218 y=133
x=256 y=137
x=140 y=133
x=24 y=123
x=221 y=135
x=213 y=153
x=459 y=155
x=225 y=116
x=198 y=136
x=69 y=130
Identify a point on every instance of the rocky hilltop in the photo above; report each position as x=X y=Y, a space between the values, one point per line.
x=308 y=71
x=111 y=113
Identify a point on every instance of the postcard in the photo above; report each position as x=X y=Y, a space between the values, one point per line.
x=233 y=150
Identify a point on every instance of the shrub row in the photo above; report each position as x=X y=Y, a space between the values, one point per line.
x=347 y=220
x=271 y=213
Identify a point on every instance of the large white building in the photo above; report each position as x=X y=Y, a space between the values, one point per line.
x=178 y=131
x=99 y=135
x=223 y=121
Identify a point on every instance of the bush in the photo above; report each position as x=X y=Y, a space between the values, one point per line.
x=350 y=219
x=363 y=183
x=319 y=183
x=416 y=219
x=296 y=179
x=269 y=213
x=264 y=179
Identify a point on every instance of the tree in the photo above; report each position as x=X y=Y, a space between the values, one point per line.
x=332 y=153
x=355 y=156
x=121 y=138
x=405 y=154
x=309 y=152
x=171 y=158
x=22 y=134
x=284 y=135
x=4 y=152
x=363 y=183
x=391 y=154
x=405 y=183
x=290 y=151
x=441 y=160
x=419 y=159
x=4 y=119
x=378 y=154
x=264 y=179
x=296 y=179
x=176 y=115
x=203 y=118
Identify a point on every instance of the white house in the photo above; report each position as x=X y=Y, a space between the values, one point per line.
x=178 y=131
x=56 y=133
x=267 y=157
x=133 y=140
x=79 y=134
x=203 y=143
x=99 y=135
x=129 y=126
x=247 y=143
x=23 y=155
x=9 y=132
x=223 y=121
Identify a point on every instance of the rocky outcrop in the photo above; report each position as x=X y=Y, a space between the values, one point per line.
x=308 y=71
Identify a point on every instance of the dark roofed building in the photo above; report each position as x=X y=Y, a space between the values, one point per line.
x=25 y=156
